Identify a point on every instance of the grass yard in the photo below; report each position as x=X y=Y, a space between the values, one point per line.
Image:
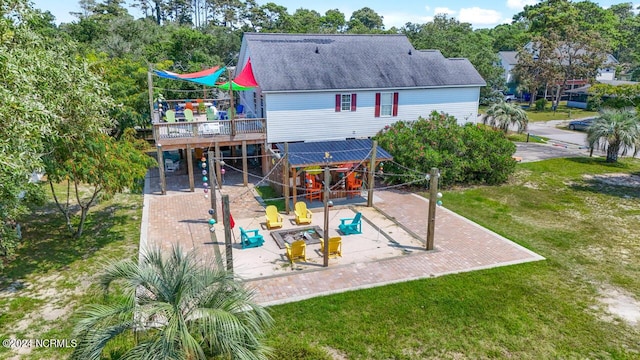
x=266 y=193
x=587 y=230
x=561 y=113
x=52 y=275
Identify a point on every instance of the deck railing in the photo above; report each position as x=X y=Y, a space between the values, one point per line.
x=208 y=129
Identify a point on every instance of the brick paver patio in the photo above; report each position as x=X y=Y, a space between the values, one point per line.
x=180 y=217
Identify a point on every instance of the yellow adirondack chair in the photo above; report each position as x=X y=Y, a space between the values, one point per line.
x=335 y=246
x=274 y=220
x=303 y=215
x=296 y=251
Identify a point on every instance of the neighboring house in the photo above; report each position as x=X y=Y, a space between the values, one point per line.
x=319 y=87
x=509 y=59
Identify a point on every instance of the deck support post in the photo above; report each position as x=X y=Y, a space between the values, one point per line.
x=190 y=168
x=163 y=179
x=245 y=167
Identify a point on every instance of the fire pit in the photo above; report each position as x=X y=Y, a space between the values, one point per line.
x=310 y=235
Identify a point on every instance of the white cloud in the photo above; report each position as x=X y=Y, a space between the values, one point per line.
x=427 y=8
x=444 y=10
x=399 y=19
x=520 y=4
x=480 y=17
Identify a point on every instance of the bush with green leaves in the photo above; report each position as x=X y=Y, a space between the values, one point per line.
x=541 y=104
x=469 y=154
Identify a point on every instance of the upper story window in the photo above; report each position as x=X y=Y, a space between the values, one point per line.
x=386 y=104
x=345 y=102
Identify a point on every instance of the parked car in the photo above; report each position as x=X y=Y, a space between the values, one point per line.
x=580 y=124
x=510 y=97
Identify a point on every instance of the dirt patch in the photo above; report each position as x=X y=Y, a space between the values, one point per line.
x=629 y=180
x=622 y=305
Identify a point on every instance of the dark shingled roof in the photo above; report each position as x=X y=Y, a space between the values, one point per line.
x=342 y=151
x=293 y=62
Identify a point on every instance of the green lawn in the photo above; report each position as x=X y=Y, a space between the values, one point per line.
x=547 y=309
x=53 y=273
x=561 y=113
x=587 y=230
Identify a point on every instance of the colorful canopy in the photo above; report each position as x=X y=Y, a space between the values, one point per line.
x=205 y=77
x=244 y=81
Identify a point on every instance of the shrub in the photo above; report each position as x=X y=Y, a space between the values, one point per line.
x=469 y=154
x=541 y=104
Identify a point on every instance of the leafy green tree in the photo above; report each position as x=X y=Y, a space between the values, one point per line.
x=93 y=164
x=333 y=21
x=503 y=115
x=178 y=308
x=466 y=154
x=305 y=21
x=365 y=20
x=614 y=96
x=615 y=132
x=44 y=88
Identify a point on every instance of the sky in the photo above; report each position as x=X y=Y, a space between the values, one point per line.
x=481 y=14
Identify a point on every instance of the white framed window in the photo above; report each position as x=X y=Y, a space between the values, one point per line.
x=345 y=102
x=386 y=104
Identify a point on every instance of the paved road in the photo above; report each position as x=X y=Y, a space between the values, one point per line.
x=549 y=129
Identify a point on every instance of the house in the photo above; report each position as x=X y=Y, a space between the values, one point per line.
x=323 y=87
x=509 y=59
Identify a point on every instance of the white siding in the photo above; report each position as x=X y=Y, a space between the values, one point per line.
x=312 y=116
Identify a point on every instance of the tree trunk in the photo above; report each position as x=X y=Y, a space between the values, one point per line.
x=612 y=152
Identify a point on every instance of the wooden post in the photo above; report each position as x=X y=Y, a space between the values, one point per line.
x=372 y=168
x=212 y=186
x=231 y=105
x=190 y=168
x=325 y=232
x=295 y=185
x=285 y=175
x=218 y=159
x=150 y=86
x=227 y=232
x=266 y=160
x=163 y=179
x=245 y=167
x=433 y=194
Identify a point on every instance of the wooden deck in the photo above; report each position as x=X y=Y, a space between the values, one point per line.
x=209 y=133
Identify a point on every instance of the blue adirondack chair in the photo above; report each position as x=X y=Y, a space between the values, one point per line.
x=250 y=238
x=352 y=227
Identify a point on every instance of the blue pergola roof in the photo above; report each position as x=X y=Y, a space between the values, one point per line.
x=305 y=154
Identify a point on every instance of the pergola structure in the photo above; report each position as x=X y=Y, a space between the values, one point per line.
x=313 y=156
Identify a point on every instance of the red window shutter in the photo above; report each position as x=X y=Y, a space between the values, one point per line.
x=377 y=104
x=338 y=103
x=395 y=104
x=353 y=102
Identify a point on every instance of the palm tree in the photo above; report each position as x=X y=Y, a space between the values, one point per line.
x=177 y=308
x=501 y=115
x=616 y=132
